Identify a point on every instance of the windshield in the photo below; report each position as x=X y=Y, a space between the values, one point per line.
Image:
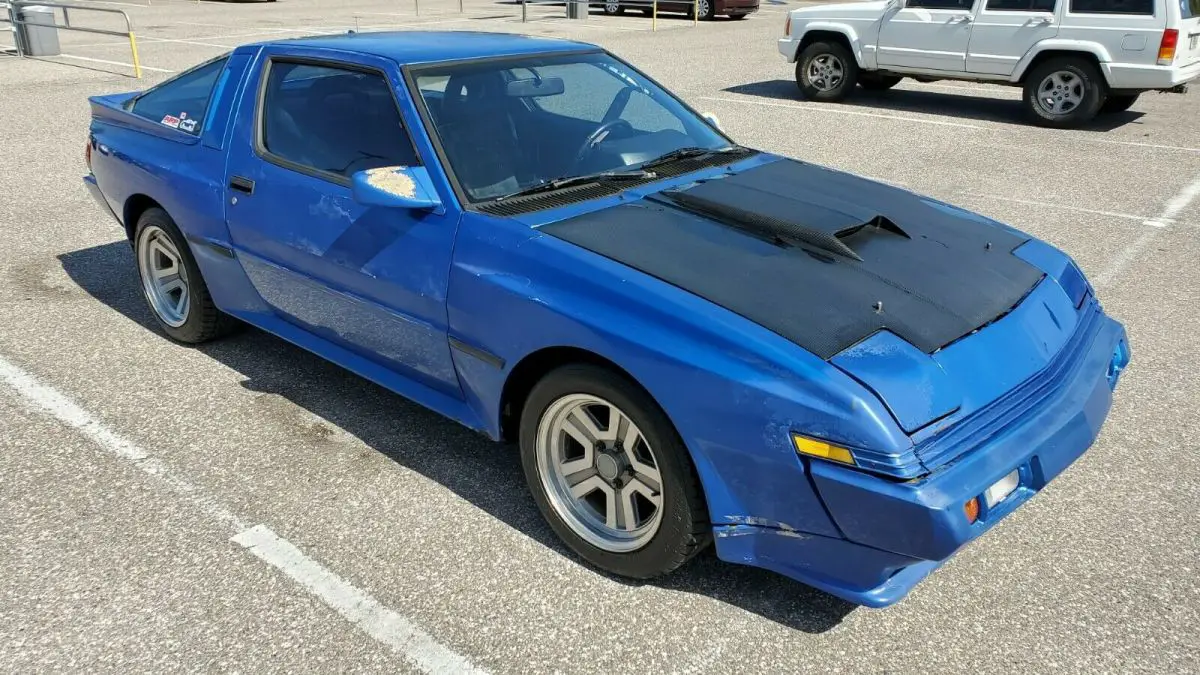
x=508 y=125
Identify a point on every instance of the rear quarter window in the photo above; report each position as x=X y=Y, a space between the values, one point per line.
x=1131 y=7
x=1189 y=8
x=182 y=101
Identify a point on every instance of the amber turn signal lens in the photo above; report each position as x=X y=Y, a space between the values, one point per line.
x=972 y=509
x=815 y=448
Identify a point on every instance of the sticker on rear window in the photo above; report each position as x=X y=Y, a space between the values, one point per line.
x=171 y=121
x=187 y=125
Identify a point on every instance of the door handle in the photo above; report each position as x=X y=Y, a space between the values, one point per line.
x=964 y=19
x=242 y=184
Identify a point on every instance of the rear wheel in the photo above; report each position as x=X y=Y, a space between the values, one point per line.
x=877 y=81
x=1064 y=92
x=707 y=9
x=610 y=474
x=172 y=283
x=1116 y=104
x=826 y=71
x=613 y=8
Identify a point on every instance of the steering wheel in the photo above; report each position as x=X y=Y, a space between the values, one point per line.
x=597 y=135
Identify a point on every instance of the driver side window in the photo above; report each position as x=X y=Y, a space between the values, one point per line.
x=334 y=121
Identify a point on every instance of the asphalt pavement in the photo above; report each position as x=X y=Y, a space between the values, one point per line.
x=246 y=506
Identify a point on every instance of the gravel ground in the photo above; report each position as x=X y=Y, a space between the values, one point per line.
x=115 y=562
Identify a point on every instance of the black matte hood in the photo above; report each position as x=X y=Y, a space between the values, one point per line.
x=823 y=258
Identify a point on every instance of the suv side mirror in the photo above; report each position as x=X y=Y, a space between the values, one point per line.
x=406 y=187
x=712 y=119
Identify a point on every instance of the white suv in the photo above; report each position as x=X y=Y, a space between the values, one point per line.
x=1074 y=58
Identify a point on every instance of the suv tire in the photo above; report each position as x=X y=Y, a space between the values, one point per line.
x=1064 y=92
x=826 y=71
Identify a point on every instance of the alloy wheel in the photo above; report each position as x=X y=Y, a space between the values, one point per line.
x=825 y=72
x=599 y=473
x=1060 y=92
x=164 y=277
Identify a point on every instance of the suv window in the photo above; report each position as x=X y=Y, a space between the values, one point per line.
x=1021 y=5
x=1141 y=7
x=334 y=120
x=1189 y=8
x=941 y=4
x=181 y=101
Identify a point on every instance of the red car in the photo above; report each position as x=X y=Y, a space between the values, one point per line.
x=734 y=9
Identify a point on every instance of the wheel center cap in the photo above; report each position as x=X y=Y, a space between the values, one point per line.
x=607 y=467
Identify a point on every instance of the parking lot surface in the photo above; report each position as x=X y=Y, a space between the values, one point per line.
x=247 y=506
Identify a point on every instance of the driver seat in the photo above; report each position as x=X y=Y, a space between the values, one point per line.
x=479 y=135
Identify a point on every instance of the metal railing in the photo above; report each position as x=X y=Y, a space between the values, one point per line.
x=584 y=7
x=14 y=13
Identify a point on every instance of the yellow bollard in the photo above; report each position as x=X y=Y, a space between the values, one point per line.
x=654 y=16
x=137 y=64
x=696 y=12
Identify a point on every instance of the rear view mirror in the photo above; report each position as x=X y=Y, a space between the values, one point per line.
x=395 y=186
x=530 y=87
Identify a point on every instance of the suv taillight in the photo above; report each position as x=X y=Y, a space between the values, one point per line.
x=1166 y=48
x=787 y=26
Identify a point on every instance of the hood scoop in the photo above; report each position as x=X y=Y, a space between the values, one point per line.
x=777 y=219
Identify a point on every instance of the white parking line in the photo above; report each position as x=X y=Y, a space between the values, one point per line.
x=840 y=111
x=111 y=63
x=354 y=604
x=357 y=607
x=1064 y=207
x=1173 y=208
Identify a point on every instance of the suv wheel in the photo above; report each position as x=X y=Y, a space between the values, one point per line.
x=826 y=71
x=1064 y=93
x=613 y=7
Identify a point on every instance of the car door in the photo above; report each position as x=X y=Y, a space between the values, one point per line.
x=926 y=34
x=1005 y=30
x=370 y=279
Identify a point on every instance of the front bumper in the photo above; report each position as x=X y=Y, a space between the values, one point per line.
x=896 y=533
x=788 y=48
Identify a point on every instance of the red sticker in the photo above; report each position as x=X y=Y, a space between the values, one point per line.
x=171 y=121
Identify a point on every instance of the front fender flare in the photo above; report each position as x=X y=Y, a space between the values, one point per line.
x=846 y=31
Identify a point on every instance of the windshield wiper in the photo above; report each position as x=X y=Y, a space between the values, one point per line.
x=568 y=181
x=688 y=152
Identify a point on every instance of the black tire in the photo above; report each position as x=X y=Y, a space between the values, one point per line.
x=709 y=13
x=1093 y=93
x=738 y=17
x=684 y=529
x=832 y=50
x=648 y=11
x=1116 y=104
x=877 y=81
x=203 y=322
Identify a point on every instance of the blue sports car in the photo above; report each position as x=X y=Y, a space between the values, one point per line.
x=692 y=342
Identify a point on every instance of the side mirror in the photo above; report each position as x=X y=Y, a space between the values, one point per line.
x=406 y=187
x=712 y=119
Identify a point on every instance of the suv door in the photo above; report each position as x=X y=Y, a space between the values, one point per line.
x=369 y=279
x=1005 y=30
x=927 y=34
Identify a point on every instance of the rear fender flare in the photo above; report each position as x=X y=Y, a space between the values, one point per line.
x=1081 y=47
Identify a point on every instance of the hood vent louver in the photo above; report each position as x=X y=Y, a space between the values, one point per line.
x=773 y=229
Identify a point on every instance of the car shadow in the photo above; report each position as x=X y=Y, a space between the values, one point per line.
x=941 y=102
x=484 y=473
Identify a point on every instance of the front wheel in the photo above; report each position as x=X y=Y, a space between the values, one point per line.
x=613 y=8
x=826 y=71
x=1064 y=93
x=610 y=474
x=707 y=9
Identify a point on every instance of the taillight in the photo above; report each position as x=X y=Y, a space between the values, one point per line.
x=787 y=25
x=1166 y=48
x=87 y=154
